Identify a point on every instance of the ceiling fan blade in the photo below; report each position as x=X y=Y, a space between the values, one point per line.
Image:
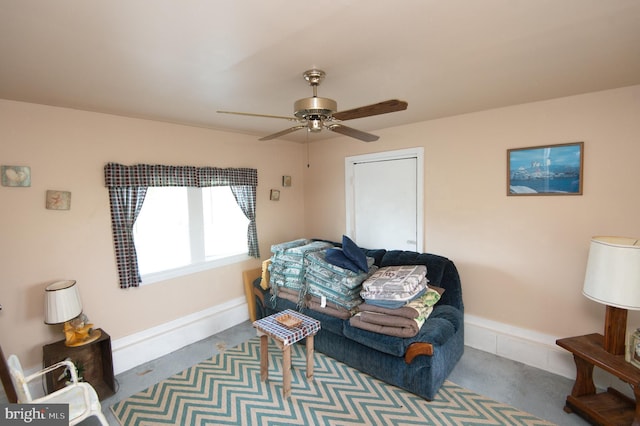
x=391 y=105
x=282 y=133
x=354 y=133
x=258 y=115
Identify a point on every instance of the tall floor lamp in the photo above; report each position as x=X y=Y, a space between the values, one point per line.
x=613 y=279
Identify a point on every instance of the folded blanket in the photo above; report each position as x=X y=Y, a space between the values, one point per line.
x=278 y=248
x=297 y=254
x=317 y=265
x=292 y=296
x=409 y=330
x=393 y=279
x=314 y=283
x=394 y=320
x=415 y=309
x=314 y=303
x=329 y=308
x=395 y=298
x=287 y=266
x=347 y=302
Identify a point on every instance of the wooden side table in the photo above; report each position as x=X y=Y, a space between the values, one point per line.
x=95 y=358
x=284 y=338
x=610 y=408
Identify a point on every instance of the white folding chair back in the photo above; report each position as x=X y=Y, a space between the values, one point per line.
x=80 y=396
x=17 y=377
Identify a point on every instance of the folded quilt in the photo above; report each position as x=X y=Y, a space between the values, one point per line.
x=315 y=282
x=392 y=279
x=279 y=280
x=278 y=248
x=347 y=302
x=415 y=309
x=297 y=253
x=394 y=298
x=409 y=330
x=317 y=265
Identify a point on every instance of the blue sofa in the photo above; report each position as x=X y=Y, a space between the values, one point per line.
x=419 y=364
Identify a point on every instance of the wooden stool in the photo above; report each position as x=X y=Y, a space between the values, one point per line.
x=284 y=338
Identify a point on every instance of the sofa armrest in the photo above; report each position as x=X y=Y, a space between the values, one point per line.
x=416 y=349
x=258 y=294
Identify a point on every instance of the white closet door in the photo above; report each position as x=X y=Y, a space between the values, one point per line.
x=385 y=205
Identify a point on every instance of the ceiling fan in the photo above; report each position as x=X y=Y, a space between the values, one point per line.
x=316 y=113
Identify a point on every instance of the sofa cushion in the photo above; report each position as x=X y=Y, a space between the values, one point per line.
x=443 y=323
x=354 y=253
x=376 y=254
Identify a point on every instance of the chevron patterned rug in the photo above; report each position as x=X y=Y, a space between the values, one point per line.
x=226 y=390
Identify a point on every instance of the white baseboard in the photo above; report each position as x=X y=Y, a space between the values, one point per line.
x=147 y=345
x=522 y=345
x=528 y=347
x=531 y=348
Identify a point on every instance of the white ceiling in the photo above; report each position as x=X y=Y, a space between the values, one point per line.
x=181 y=60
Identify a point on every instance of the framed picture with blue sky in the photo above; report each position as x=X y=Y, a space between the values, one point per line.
x=545 y=170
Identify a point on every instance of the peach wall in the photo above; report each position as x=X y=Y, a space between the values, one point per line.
x=67 y=150
x=521 y=259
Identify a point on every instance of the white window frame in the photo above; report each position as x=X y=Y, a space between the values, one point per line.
x=196 y=241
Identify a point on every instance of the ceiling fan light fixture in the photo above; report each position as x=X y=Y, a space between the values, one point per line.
x=323 y=107
x=315 y=125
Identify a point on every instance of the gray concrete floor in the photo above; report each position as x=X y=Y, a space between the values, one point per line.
x=530 y=389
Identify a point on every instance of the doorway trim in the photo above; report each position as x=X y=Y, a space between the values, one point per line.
x=349 y=164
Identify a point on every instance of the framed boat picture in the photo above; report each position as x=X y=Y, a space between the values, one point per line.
x=545 y=170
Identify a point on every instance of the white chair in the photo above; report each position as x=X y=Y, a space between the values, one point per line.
x=82 y=398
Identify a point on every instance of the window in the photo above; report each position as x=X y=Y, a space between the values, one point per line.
x=182 y=227
x=187 y=220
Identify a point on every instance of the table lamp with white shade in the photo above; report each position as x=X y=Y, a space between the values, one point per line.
x=63 y=305
x=613 y=279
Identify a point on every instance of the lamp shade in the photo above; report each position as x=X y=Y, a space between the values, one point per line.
x=62 y=302
x=613 y=272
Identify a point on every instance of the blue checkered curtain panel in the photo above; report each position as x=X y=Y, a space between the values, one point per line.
x=128 y=186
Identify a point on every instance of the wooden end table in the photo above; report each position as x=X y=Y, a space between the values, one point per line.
x=284 y=338
x=96 y=361
x=610 y=408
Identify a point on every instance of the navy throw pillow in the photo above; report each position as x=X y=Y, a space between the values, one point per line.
x=354 y=253
x=335 y=256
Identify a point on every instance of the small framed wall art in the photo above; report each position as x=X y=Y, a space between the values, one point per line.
x=58 y=200
x=275 y=195
x=286 y=181
x=16 y=176
x=546 y=170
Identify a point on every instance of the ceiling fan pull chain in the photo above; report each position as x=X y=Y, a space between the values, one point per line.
x=308 y=148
